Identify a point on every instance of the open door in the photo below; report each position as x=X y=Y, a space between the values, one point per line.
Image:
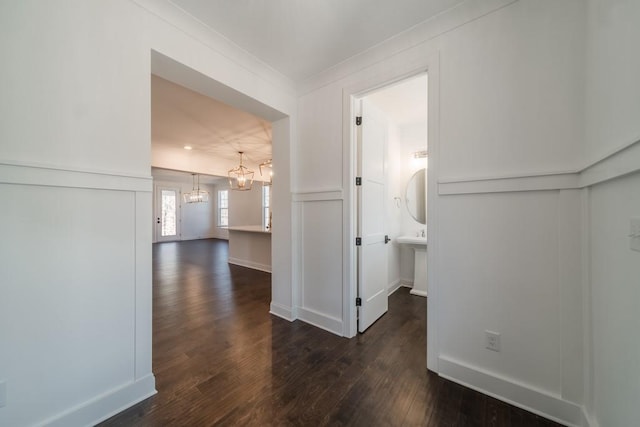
x=372 y=251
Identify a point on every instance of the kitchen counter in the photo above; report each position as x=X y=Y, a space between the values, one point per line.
x=250 y=246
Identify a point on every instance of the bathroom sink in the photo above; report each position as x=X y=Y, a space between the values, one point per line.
x=412 y=240
x=419 y=246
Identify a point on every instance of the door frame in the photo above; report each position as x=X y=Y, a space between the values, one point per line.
x=429 y=64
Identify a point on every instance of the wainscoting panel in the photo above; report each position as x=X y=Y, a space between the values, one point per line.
x=76 y=293
x=320 y=246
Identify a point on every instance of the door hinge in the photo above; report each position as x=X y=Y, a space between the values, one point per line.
x=358 y=241
x=358 y=180
x=386 y=239
x=358 y=302
x=358 y=120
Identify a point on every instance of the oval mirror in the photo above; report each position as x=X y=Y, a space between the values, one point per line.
x=415 y=197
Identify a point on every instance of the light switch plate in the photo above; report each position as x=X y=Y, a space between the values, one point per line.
x=634 y=234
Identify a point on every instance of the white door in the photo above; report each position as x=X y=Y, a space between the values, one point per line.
x=167 y=214
x=372 y=253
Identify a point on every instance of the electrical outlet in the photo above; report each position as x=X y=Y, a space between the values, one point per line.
x=492 y=340
x=3 y=394
x=634 y=234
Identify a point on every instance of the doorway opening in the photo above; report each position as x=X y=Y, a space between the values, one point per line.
x=390 y=215
x=266 y=124
x=429 y=65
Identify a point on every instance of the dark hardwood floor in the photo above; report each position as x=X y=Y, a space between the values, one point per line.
x=220 y=358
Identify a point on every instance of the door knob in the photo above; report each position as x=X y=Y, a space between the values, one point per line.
x=386 y=239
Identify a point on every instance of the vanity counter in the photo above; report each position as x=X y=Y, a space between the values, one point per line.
x=250 y=246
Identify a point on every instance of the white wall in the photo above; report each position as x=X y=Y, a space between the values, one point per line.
x=75 y=335
x=510 y=90
x=613 y=108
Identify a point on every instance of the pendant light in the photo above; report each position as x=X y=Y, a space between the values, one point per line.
x=196 y=195
x=240 y=177
x=267 y=165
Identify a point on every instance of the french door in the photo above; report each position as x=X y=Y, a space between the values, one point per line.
x=167 y=214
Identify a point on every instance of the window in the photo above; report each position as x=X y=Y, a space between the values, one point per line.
x=169 y=213
x=266 y=211
x=223 y=208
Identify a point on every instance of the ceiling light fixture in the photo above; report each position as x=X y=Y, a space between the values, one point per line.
x=196 y=195
x=240 y=177
x=188 y=147
x=267 y=164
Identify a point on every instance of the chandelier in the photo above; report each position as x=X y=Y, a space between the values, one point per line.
x=267 y=165
x=240 y=177
x=196 y=195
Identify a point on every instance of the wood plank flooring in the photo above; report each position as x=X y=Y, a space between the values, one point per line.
x=221 y=359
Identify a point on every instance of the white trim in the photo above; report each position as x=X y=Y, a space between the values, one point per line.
x=143 y=286
x=512 y=392
x=46 y=176
x=615 y=151
x=394 y=286
x=622 y=161
x=418 y=293
x=508 y=184
x=587 y=300
x=250 y=264
x=433 y=202
x=281 y=311
x=406 y=283
x=106 y=405
x=320 y=195
x=321 y=320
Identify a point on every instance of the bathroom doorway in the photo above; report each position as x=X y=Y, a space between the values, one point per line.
x=390 y=217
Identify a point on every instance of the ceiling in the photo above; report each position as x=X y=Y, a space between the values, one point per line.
x=304 y=37
x=214 y=130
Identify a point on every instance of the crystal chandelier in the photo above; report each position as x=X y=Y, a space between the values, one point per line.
x=196 y=195
x=267 y=165
x=240 y=177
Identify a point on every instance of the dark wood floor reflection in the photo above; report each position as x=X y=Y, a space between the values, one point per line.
x=220 y=358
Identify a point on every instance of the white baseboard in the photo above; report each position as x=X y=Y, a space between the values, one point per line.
x=250 y=264
x=514 y=393
x=281 y=311
x=418 y=293
x=394 y=286
x=407 y=283
x=106 y=405
x=320 y=320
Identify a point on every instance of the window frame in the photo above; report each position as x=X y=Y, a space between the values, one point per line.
x=222 y=208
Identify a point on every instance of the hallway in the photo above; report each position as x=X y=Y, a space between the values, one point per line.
x=220 y=358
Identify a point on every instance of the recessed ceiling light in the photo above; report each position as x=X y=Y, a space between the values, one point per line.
x=188 y=147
